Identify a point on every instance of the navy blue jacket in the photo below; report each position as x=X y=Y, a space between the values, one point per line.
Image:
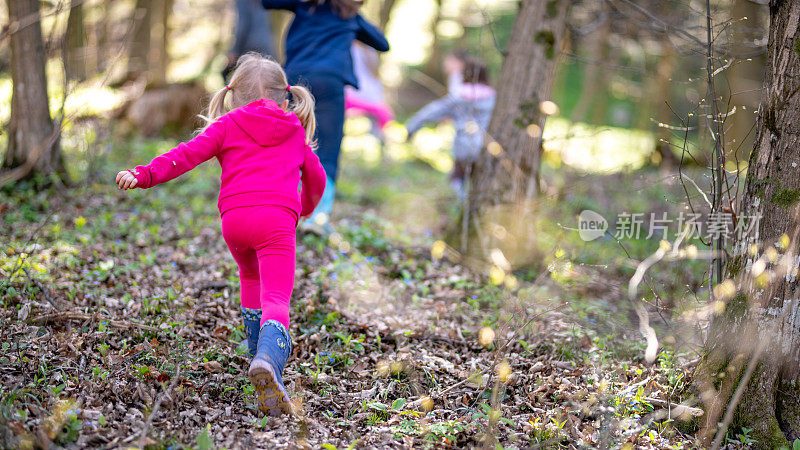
x=253 y=29
x=318 y=41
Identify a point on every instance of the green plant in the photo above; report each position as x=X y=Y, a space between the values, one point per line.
x=142 y=371
x=445 y=432
x=743 y=438
x=550 y=432
x=71 y=430
x=204 y=441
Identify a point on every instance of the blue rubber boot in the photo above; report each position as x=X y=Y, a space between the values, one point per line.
x=252 y=325
x=320 y=222
x=266 y=369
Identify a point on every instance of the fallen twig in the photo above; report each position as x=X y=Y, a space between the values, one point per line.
x=676 y=409
x=71 y=315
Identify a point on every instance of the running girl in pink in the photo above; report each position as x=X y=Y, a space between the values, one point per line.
x=264 y=145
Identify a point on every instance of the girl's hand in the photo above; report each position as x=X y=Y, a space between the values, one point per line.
x=126 y=180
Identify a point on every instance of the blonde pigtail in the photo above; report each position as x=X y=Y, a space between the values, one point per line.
x=216 y=108
x=304 y=109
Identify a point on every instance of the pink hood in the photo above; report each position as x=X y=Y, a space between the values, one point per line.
x=263 y=154
x=473 y=92
x=266 y=123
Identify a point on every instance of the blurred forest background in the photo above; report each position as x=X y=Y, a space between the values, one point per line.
x=620 y=76
x=423 y=321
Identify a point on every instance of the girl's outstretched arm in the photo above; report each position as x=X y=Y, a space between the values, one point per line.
x=371 y=35
x=313 y=181
x=183 y=158
x=432 y=112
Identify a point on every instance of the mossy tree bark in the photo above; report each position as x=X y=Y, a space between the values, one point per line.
x=763 y=321
x=505 y=179
x=33 y=144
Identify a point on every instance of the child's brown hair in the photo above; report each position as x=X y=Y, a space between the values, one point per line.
x=475 y=71
x=256 y=77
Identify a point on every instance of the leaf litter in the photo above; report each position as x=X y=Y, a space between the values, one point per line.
x=123 y=331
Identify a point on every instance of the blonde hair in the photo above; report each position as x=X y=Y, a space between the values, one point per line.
x=257 y=77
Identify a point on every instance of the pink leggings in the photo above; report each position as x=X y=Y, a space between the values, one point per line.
x=262 y=241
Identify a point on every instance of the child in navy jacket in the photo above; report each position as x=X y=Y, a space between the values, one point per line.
x=318 y=55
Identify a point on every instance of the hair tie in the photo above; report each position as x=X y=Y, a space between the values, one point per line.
x=288 y=88
x=227 y=87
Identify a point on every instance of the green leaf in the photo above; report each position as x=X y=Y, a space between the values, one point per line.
x=399 y=403
x=796 y=444
x=204 y=441
x=377 y=406
x=329 y=446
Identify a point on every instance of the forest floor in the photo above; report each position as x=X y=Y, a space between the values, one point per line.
x=120 y=325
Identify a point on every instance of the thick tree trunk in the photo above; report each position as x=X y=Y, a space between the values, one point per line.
x=76 y=42
x=104 y=36
x=141 y=43
x=433 y=66
x=505 y=180
x=745 y=77
x=161 y=50
x=664 y=115
x=766 y=315
x=32 y=139
x=596 y=45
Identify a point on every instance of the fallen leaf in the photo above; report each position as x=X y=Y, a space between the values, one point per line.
x=212 y=366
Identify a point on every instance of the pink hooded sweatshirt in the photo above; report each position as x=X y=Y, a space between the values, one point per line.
x=263 y=153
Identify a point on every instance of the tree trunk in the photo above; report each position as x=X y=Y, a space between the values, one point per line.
x=596 y=44
x=105 y=36
x=664 y=115
x=75 y=42
x=32 y=139
x=766 y=315
x=433 y=67
x=745 y=77
x=505 y=180
x=161 y=50
x=140 y=46
x=385 y=13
